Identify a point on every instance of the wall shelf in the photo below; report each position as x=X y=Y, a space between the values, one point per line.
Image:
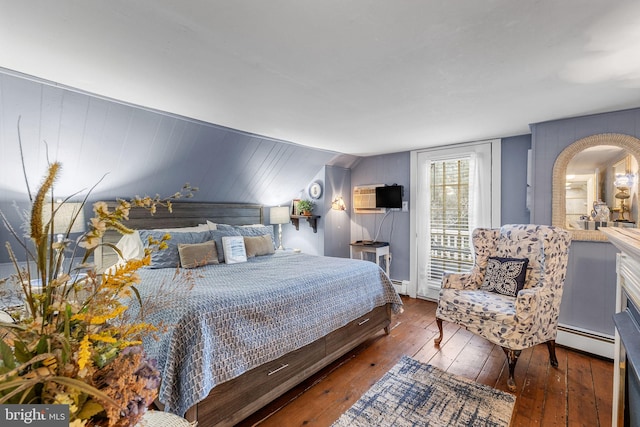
x=311 y=219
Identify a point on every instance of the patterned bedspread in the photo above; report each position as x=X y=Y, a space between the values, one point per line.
x=240 y=316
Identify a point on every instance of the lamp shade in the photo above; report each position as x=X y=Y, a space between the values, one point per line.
x=624 y=180
x=64 y=215
x=279 y=215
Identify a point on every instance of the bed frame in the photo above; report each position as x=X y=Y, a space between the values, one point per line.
x=232 y=401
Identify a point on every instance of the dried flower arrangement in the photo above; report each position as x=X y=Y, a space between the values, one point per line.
x=73 y=341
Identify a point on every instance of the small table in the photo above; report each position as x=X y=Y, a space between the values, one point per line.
x=378 y=248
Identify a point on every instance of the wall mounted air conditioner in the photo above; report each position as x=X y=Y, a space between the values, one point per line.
x=364 y=199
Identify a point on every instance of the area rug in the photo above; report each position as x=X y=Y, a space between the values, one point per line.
x=415 y=394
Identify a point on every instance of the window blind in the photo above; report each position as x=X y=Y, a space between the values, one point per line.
x=450 y=248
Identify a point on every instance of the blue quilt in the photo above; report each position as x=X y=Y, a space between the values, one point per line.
x=240 y=316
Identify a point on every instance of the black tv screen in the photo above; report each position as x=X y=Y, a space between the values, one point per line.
x=389 y=196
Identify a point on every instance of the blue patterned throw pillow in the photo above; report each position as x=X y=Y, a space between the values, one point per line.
x=169 y=257
x=505 y=276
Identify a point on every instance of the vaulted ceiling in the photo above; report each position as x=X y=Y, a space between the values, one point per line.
x=359 y=77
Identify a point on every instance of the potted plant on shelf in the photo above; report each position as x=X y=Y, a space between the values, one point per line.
x=306 y=207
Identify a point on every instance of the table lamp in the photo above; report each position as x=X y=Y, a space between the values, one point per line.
x=279 y=215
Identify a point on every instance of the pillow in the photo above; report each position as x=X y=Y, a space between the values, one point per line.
x=224 y=227
x=197 y=254
x=505 y=275
x=217 y=235
x=212 y=225
x=234 y=251
x=258 y=245
x=195 y=228
x=170 y=257
x=257 y=230
x=131 y=246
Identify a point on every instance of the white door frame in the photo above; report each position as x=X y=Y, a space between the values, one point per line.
x=412 y=288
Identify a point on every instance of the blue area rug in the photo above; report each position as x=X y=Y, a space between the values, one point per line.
x=415 y=394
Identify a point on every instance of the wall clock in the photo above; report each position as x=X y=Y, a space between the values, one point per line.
x=315 y=190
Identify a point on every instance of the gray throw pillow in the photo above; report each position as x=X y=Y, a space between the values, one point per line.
x=170 y=257
x=217 y=236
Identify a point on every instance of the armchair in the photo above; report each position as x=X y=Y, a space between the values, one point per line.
x=498 y=300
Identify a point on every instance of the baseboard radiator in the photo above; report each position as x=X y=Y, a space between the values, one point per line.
x=400 y=285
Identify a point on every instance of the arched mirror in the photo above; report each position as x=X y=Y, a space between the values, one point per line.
x=595 y=184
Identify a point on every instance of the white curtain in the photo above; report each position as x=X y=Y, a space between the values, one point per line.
x=480 y=188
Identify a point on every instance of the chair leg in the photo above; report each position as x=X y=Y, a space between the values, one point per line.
x=438 y=340
x=512 y=357
x=551 y=345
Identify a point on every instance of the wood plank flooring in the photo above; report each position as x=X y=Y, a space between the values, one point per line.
x=577 y=393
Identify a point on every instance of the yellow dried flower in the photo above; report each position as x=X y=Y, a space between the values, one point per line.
x=84 y=352
x=99 y=319
x=103 y=338
x=37 y=222
x=125 y=344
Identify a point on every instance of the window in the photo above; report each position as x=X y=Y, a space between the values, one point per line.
x=454 y=194
x=449 y=218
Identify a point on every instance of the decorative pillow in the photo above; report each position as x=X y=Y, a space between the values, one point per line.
x=505 y=275
x=217 y=235
x=195 y=228
x=257 y=230
x=224 y=227
x=234 y=251
x=170 y=257
x=131 y=246
x=258 y=245
x=197 y=254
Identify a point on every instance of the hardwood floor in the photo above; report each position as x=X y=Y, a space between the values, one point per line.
x=577 y=393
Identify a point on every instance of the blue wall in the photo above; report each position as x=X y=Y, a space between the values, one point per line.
x=394 y=228
x=514 y=180
x=337 y=231
x=589 y=292
x=141 y=152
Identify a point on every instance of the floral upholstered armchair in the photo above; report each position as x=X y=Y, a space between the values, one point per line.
x=512 y=294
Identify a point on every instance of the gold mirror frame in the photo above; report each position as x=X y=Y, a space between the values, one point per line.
x=559 y=204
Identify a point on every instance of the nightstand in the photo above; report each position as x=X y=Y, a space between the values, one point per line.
x=380 y=249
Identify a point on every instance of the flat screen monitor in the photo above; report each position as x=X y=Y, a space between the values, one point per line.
x=389 y=196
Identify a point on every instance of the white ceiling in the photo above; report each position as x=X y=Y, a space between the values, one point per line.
x=359 y=77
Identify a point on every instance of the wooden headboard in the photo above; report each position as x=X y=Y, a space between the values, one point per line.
x=185 y=214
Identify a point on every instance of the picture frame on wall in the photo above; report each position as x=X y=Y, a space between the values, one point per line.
x=294 y=207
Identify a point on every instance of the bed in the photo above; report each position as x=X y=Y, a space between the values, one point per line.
x=249 y=331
